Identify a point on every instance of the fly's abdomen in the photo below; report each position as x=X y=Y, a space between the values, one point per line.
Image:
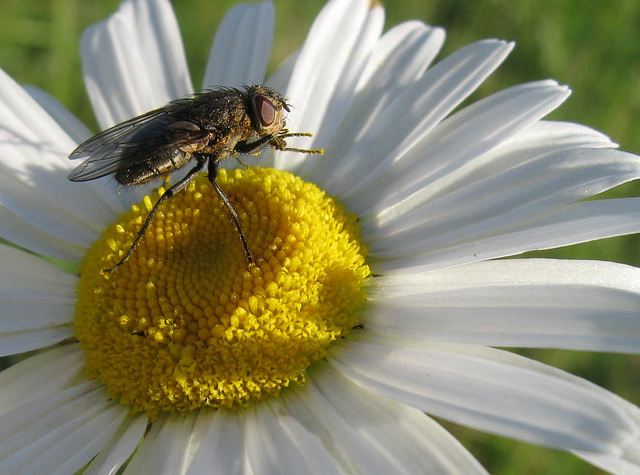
x=153 y=168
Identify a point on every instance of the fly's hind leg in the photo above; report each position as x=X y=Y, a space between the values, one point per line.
x=179 y=186
x=213 y=173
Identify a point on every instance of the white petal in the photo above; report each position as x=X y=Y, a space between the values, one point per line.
x=627 y=459
x=66 y=430
x=166 y=449
x=81 y=444
x=23 y=120
x=15 y=229
x=367 y=433
x=36 y=302
x=385 y=135
x=34 y=147
x=40 y=209
x=491 y=390
x=134 y=61
x=343 y=95
x=241 y=47
x=33 y=292
x=279 y=80
x=530 y=147
x=541 y=303
x=122 y=444
x=13 y=343
x=626 y=463
x=398 y=59
x=221 y=443
x=73 y=127
x=567 y=225
x=534 y=188
x=277 y=443
x=423 y=159
x=327 y=68
x=25 y=198
x=30 y=379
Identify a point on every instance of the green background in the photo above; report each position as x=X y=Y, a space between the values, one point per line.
x=591 y=45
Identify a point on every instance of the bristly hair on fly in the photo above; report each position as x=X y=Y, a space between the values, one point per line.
x=206 y=127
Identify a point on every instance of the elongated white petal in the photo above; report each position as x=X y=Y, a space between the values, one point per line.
x=497 y=202
x=543 y=303
x=456 y=141
x=279 y=79
x=33 y=205
x=166 y=449
x=399 y=58
x=36 y=302
x=39 y=207
x=317 y=54
x=491 y=390
x=626 y=462
x=534 y=187
x=385 y=135
x=17 y=230
x=529 y=148
x=65 y=430
x=327 y=69
x=73 y=127
x=221 y=439
x=343 y=94
x=13 y=343
x=23 y=120
x=117 y=450
x=134 y=61
x=367 y=433
x=241 y=47
x=33 y=292
x=276 y=443
x=567 y=225
x=80 y=443
x=31 y=379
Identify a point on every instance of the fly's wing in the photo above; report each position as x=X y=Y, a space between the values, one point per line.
x=136 y=140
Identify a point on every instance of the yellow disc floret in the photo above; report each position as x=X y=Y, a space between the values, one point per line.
x=186 y=322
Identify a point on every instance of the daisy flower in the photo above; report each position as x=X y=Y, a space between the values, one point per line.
x=375 y=301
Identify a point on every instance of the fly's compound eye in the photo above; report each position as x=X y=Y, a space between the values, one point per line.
x=266 y=111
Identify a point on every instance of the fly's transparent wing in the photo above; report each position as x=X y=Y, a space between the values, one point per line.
x=139 y=139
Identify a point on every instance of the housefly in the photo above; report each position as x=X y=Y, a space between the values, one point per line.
x=206 y=128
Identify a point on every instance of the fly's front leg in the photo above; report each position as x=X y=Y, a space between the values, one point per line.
x=213 y=172
x=250 y=147
x=279 y=143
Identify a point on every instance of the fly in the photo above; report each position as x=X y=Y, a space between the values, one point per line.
x=206 y=127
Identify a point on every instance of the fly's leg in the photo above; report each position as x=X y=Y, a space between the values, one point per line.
x=279 y=143
x=213 y=172
x=181 y=185
x=241 y=161
x=250 y=147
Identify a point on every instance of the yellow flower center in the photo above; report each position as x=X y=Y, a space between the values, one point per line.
x=186 y=323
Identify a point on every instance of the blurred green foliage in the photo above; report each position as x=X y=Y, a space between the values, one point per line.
x=588 y=44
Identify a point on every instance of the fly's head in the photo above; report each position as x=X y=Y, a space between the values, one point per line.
x=266 y=108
